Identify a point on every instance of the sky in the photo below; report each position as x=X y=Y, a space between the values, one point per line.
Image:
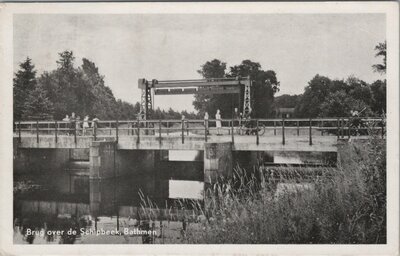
x=126 y=47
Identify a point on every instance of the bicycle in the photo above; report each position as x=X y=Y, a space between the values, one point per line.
x=357 y=126
x=248 y=127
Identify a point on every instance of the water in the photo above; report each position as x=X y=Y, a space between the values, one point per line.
x=59 y=200
x=63 y=200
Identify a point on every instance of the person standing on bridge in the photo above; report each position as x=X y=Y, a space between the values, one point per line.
x=85 y=124
x=66 y=119
x=72 y=125
x=206 y=122
x=78 y=125
x=94 y=122
x=218 y=123
x=236 y=119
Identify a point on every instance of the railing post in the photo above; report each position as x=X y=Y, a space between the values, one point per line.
x=37 y=131
x=322 y=130
x=232 y=132
x=205 y=129
x=183 y=131
x=159 y=131
x=348 y=128
x=342 y=130
x=274 y=127
x=283 y=131
x=94 y=124
x=116 y=130
x=138 y=132
x=338 y=124
x=257 y=137
x=298 y=128
x=75 y=131
x=187 y=128
x=310 y=132
x=382 y=128
x=19 y=132
x=55 y=131
x=110 y=127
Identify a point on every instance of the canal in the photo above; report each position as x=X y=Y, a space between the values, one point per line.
x=64 y=199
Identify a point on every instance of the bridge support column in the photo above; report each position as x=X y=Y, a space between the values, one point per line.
x=218 y=161
x=102 y=159
x=102 y=165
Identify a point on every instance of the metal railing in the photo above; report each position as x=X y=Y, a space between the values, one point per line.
x=340 y=127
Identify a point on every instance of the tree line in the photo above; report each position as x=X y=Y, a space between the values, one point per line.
x=322 y=97
x=82 y=90
x=325 y=97
x=56 y=93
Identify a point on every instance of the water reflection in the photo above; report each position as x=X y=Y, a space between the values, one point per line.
x=62 y=200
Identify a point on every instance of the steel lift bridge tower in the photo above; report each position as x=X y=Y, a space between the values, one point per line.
x=198 y=86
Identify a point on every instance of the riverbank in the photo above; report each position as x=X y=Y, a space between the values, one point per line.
x=347 y=206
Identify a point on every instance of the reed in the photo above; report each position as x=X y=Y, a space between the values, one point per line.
x=341 y=205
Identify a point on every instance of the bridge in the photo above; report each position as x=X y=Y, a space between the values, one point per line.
x=106 y=138
x=108 y=149
x=319 y=134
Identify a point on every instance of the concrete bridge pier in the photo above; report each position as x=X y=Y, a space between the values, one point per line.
x=102 y=159
x=102 y=165
x=218 y=161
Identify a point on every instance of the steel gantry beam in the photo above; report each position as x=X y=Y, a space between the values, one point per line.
x=198 y=86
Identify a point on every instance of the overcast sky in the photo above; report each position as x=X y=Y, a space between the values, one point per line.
x=127 y=47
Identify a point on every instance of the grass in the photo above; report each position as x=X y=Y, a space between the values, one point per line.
x=346 y=205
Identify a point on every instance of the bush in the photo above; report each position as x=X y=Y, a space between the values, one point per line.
x=343 y=205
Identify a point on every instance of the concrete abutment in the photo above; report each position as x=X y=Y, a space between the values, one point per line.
x=218 y=161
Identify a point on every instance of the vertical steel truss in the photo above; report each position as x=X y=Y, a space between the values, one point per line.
x=146 y=104
x=247 y=100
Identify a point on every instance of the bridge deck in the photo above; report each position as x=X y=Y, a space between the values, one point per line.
x=275 y=134
x=193 y=142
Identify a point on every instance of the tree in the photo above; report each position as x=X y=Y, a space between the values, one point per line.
x=340 y=104
x=378 y=102
x=321 y=97
x=380 y=52
x=103 y=103
x=210 y=103
x=125 y=110
x=315 y=93
x=80 y=90
x=213 y=69
x=286 y=101
x=37 y=104
x=264 y=86
x=66 y=61
x=66 y=83
x=23 y=83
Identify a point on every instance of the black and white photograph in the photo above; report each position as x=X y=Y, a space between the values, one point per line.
x=214 y=123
